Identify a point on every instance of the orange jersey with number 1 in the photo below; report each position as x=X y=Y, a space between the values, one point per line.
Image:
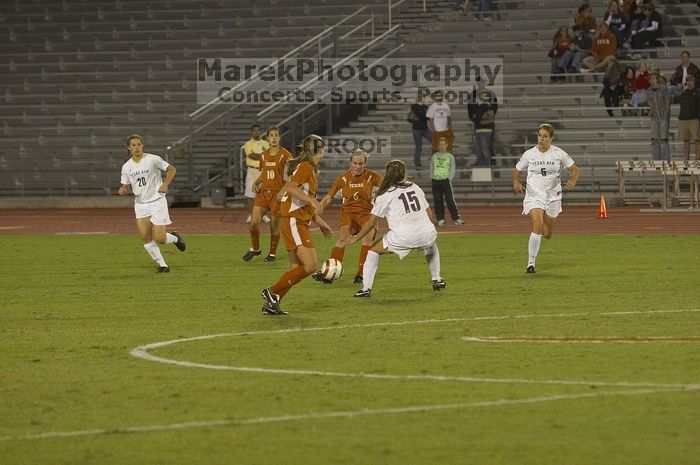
x=356 y=190
x=305 y=176
x=272 y=169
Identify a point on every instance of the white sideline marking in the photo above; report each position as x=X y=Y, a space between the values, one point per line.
x=574 y=340
x=143 y=352
x=337 y=414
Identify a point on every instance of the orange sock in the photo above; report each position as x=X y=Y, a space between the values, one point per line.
x=363 y=255
x=288 y=279
x=274 y=241
x=255 y=237
x=338 y=253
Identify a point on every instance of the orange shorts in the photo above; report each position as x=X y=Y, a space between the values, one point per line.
x=354 y=220
x=267 y=199
x=296 y=233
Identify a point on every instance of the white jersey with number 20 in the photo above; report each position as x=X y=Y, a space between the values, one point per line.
x=544 y=172
x=145 y=177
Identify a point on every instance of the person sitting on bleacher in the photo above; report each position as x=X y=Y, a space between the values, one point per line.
x=585 y=18
x=560 y=54
x=681 y=73
x=650 y=30
x=580 y=48
x=611 y=86
x=616 y=22
x=626 y=80
x=640 y=84
x=602 y=51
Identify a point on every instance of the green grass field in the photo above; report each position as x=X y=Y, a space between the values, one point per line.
x=386 y=380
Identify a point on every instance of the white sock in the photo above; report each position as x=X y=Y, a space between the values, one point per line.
x=533 y=248
x=369 y=269
x=432 y=255
x=170 y=239
x=154 y=252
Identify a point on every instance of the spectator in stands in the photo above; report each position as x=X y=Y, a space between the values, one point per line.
x=483 y=114
x=650 y=29
x=634 y=16
x=688 y=130
x=640 y=86
x=440 y=120
x=253 y=149
x=683 y=70
x=626 y=82
x=580 y=48
x=611 y=86
x=560 y=53
x=482 y=6
x=659 y=101
x=616 y=22
x=419 y=122
x=602 y=51
x=442 y=171
x=585 y=18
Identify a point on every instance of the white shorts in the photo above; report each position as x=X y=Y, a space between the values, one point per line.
x=552 y=209
x=251 y=175
x=157 y=210
x=402 y=246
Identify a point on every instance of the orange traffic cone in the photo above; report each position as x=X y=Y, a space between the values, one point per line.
x=602 y=211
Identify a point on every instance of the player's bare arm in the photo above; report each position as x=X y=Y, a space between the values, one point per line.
x=169 y=176
x=575 y=173
x=517 y=185
x=295 y=191
x=366 y=228
x=325 y=229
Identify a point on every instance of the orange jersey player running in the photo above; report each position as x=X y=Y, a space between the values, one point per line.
x=298 y=207
x=357 y=186
x=266 y=187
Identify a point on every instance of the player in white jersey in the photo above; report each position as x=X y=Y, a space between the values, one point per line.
x=407 y=212
x=141 y=174
x=544 y=164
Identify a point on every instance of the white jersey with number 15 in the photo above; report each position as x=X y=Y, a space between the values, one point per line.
x=405 y=209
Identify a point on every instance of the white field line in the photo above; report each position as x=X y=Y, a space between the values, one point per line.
x=575 y=340
x=143 y=352
x=336 y=414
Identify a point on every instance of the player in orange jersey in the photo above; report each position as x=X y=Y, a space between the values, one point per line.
x=268 y=184
x=298 y=207
x=356 y=185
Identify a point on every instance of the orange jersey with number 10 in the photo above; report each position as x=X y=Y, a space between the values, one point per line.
x=356 y=190
x=272 y=169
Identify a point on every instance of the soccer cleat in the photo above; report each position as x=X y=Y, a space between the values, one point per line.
x=180 y=244
x=162 y=269
x=270 y=258
x=441 y=223
x=358 y=279
x=438 y=284
x=530 y=269
x=319 y=277
x=267 y=309
x=363 y=293
x=459 y=221
x=271 y=299
x=250 y=254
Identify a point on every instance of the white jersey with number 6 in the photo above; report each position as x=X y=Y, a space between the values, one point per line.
x=544 y=173
x=405 y=209
x=145 y=177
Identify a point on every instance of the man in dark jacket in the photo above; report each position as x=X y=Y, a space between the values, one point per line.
x=419 y=121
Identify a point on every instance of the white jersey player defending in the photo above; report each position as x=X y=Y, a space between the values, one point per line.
x=141 y=174
x=544 y=164
x=406 y=209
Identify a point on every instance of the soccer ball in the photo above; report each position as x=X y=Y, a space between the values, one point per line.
x=332 y=269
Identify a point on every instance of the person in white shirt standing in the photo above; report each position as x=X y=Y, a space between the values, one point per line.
x=141 y=175
x=407 y=212
x=544 y=164
x=440 y=121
